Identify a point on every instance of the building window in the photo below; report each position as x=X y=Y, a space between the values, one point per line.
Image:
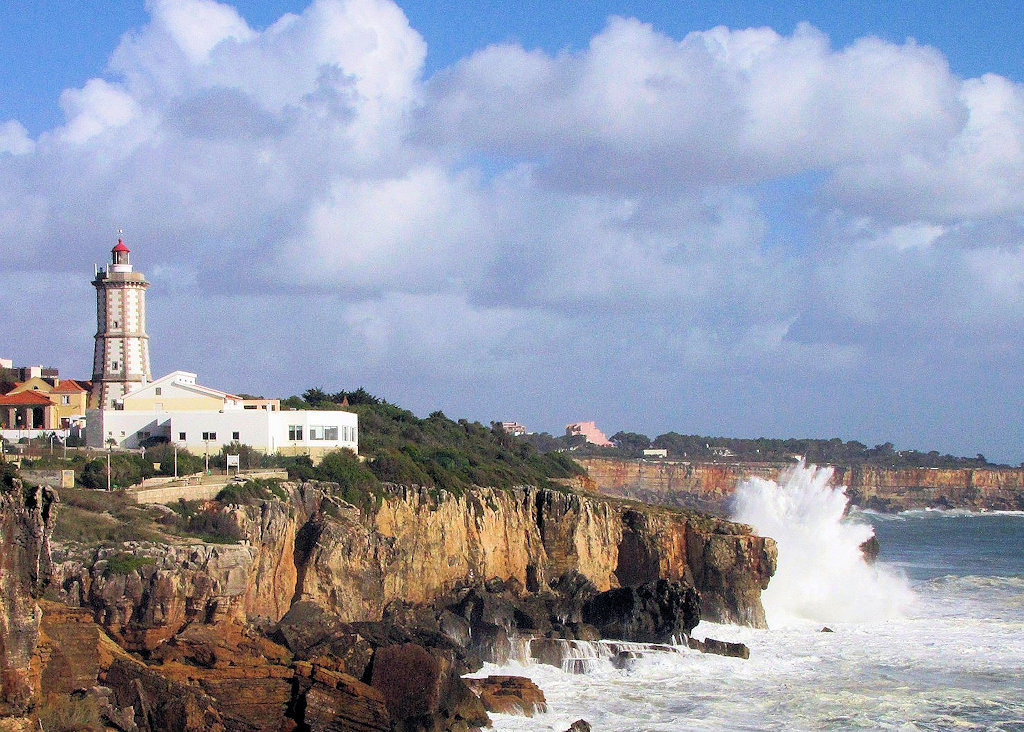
x=159 y=390
x=209 y=435
x=295 y=432
x=181 y=436
x=65 y=399
x=234 y=436
x=331 y=433
x=316 y=432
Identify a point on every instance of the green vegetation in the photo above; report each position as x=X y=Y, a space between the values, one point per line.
x=201 y=520
x=252 y=492
x=124 y=563
x=698 y=447
x=164 y=456
x=126 y=469
x=7 y=475
x=434 y=452
x=99 y=518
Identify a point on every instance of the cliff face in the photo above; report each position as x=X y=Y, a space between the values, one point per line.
x=412 y=548
x=381 y=612
x=909 y=488
x=24 y=564
x=707 y=486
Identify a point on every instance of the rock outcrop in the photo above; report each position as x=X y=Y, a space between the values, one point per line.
x=413 y=548
x=24 y=565
x=328 y=617
x=708 y=486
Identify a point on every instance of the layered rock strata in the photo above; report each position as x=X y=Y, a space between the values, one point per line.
x=412 y=548
x=708 y=486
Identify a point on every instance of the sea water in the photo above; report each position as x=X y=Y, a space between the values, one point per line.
x=931 y=637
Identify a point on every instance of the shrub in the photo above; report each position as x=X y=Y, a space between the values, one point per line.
x=68 y=713
x=164 y=455
x=251 y=492
x=126 y=469
x=124 y=563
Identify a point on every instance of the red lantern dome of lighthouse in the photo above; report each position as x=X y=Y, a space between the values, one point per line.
x=119 y=257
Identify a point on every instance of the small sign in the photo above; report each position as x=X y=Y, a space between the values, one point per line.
x=232 y=461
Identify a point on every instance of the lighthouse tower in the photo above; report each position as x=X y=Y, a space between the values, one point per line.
x=120 y=359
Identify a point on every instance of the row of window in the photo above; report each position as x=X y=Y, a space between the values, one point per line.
x=182 y=436
x=295 y=432
x=322 y=432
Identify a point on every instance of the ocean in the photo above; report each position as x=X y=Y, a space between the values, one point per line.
x=930 y=637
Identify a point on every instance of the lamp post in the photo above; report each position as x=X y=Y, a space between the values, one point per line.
x=175 y=460
x=108 y=469
x=207 y=442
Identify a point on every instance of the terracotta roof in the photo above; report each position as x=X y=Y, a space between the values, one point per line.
x=120 y=247
x=25 y=398
x=68 y=386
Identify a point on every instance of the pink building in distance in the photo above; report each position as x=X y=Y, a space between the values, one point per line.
x=589 y=431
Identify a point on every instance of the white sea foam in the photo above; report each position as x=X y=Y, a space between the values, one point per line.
x=822 y=575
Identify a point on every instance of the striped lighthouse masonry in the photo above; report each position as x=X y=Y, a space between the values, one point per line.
x=120 y=360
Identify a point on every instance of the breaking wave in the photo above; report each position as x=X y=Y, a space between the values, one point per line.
x=822 y=575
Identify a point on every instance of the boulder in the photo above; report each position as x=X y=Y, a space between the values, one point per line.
x=655 y=612
x=509 y=695
x=719 y=648
x=422 y=689
x=337 y=702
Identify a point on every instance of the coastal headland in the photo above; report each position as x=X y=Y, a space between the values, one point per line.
x=328 y=616
x=708 y=485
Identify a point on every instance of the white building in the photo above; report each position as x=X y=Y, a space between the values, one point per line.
x=176 y=409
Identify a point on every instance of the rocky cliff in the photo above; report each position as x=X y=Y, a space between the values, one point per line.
x=707 y=486
x=330 y=617
x=24 y=565
x=413 y=547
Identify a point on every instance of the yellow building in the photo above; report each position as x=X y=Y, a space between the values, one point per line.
x=68 y=397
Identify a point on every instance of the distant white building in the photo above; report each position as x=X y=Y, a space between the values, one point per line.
x=177 y=409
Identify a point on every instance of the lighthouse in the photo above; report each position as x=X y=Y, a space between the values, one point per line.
x=120 y=359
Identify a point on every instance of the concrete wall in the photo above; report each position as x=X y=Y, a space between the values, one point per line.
x=50 y=478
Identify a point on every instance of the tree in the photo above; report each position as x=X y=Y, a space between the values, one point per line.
x=316 y=395
x=125 y=470
x=631 y=442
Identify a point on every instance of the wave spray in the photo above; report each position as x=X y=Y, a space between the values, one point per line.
x=822 y=575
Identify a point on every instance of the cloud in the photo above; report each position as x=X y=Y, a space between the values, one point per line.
x=543 y=235
x=14 y=138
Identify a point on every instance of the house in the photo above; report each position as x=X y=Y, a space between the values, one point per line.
x=68 y=396
x=23 y=407
x=589 y=431
x=514 y=428
x=27 y=410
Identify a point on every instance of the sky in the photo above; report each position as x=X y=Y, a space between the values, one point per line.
x=787 y=220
